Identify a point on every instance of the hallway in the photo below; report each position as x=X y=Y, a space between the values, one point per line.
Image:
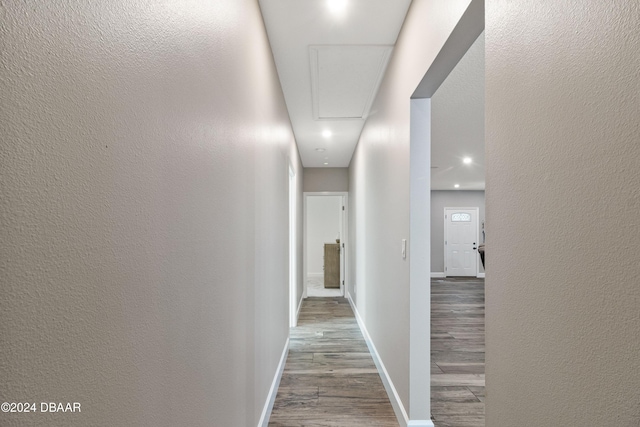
x=152 y=214
x=330 y=378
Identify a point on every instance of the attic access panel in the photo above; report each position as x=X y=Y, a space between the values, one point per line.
x=345 y=79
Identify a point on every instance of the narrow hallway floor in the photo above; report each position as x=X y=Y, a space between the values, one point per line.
x=457 y=352
x=329 y=378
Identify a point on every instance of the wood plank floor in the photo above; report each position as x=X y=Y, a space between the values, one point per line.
x=329 y=378
x=457 y=352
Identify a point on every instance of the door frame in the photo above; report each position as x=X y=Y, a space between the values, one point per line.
x=344 y=237
x=444 y=245
x=293 y=237
x=465 y=33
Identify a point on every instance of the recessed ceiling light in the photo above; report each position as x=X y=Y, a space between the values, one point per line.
x=336 y=6
x=319 y=150
x=326 y=163
x=457 y=185
x=467 y=160
x=327 y=133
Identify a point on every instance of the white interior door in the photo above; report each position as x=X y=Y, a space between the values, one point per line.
x=343 y=223
x=460 y=241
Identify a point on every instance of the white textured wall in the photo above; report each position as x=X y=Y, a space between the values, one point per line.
x=326 y=179
x=563 y=196
x=144 y=184
x=323 y=226
x=379 y=189
x=451 y=199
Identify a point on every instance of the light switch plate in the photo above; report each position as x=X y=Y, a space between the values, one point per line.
x=404 y=248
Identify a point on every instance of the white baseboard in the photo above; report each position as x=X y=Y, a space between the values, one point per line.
x=396 y=403
x=315 y=275
x=480 y=275
x=271 y=397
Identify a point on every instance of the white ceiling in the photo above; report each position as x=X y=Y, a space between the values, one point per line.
x=330 y=64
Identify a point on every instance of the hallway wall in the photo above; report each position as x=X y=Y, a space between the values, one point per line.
x=326 y=179
x=144 y=205
x=379 y=190
x=562 y=294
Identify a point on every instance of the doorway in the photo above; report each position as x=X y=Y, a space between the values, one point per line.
x=463 y=36
x=324 y=244
x=461 y=241
x=292 y=249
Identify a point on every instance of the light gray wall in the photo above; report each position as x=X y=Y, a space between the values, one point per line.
x=326 y=179
x=450 y=199
x=323 y=226
x=145 y=151
x=563 y=179
x=379 y=190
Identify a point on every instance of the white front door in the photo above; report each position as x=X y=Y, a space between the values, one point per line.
x=460 y=241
